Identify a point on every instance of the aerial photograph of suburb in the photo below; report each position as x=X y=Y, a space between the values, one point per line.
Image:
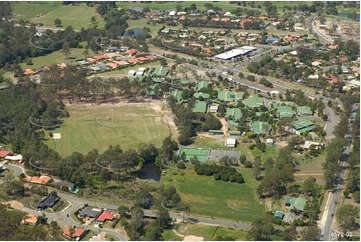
x=179 y=120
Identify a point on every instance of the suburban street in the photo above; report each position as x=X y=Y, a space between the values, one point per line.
x=327 y=219
x=63 y=219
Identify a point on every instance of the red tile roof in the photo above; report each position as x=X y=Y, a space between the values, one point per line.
x=4 y=153
x=106 y=215
x=77 y=232
x=131 y=52
x=100 y=57
x=29 y=72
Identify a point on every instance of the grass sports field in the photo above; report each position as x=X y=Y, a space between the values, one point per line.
x=77 y=16
x=211 y=198
x=135 y=124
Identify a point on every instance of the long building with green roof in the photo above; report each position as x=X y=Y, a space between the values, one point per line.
x=201 y=94
x=304 y=110
x=160 y=71
x=302 y=125
x=285 y=112
x=261 y=128
x=254 y=102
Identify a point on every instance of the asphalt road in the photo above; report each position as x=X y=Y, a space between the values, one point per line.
x=334 y=195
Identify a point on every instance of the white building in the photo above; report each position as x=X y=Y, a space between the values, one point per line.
x=131 y=72
x=244 y=50
x=231 y=142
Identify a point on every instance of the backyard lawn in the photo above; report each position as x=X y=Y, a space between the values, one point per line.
x=131 y=125
x=56 y=57
x=211 y=198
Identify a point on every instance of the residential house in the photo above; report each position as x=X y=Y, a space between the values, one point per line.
x=4 y=153
x=74 y=233
x=29 y=219
x=89 y=212
x=298 y=204
x=105 y=216
x=49 y=201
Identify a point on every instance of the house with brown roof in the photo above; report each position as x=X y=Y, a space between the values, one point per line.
x=4 y=153
x=105 y=216
x=29 y=219
x=74 y=233
x=131 y=52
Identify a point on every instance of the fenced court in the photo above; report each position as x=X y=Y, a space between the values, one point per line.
x=200 y=153
x=216 y=155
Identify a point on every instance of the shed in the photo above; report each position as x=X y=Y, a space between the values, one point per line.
x=230 y=142
x=279 y=214
x=288 y=201
x=234 y=133
x=216 y=132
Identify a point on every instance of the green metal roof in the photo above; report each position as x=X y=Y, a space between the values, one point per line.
x=253 y=102
x=184 y=81
x=301 y=110
x=201 y=94
x=285 y=112
x=298 y=203
x=201 y=84
x=303 y=124
x=200 y=107
x=260 y=127
x=288 y=200
x=234 y=132
x=177 y=94
x=161 y=71
x=158 y=80
x=216 y=131
x=279 y=214
x=227 y=96
x=234 y=113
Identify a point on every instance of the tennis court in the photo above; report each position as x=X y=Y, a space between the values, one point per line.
x=199 y=153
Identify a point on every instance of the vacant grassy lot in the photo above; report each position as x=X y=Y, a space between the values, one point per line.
x=311 y=167
x=168 y=5
x=210 y=233
x=77 y=16
x=56 y=57
x=135 y=124
x=141 y=23
x=211 y=198
x=29 y=10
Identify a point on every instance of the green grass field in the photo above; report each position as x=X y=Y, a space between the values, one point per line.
x=56 y=57
x=210 y=233
x=168 y=5
x=208 y=197
x=77 y=16
x=135 y=124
